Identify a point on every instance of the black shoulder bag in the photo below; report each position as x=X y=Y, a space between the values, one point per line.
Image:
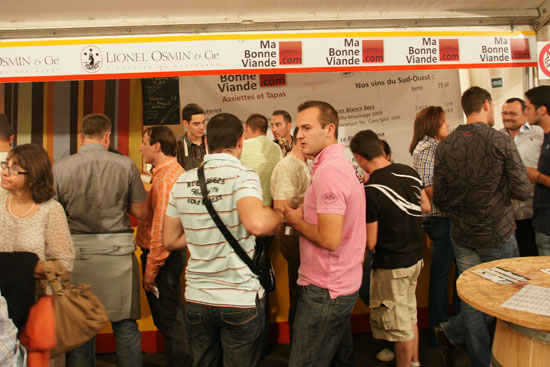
x=261 y=265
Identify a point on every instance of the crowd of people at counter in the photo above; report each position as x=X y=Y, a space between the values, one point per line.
x=221 y=192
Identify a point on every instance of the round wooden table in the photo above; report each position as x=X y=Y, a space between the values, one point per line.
x=521 y=338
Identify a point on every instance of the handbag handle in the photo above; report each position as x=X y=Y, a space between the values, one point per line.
x=57 y=277
x=221 y=226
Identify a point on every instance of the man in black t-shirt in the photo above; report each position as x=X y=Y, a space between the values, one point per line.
x=395 y=200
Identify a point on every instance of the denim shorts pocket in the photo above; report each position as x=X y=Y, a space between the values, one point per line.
x=383 y=314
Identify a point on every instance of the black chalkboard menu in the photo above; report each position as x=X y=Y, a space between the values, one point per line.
x=161 y=101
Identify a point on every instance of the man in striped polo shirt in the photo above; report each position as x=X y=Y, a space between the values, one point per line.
x=224 y=299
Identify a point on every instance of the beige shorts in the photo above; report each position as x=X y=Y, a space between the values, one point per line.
x=393 y=302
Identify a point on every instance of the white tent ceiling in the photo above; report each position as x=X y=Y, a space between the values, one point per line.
x=39 y=18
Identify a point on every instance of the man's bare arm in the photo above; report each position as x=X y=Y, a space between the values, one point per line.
x=173 y=235
x=138 y=210
x=429 y=191
x=372 y=235
x=425 y=205
x=326 y=234
x=258 y=219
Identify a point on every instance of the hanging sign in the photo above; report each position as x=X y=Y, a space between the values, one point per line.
x=256 y=53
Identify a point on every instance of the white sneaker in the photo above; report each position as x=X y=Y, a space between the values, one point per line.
x=385 y=355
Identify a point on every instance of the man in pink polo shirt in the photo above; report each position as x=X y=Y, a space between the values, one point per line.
x=332 y=243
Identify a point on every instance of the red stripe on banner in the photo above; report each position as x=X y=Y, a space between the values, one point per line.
x=99 y=96
x=123 y=116
x=266 y=71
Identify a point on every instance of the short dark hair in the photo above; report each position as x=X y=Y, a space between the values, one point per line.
x=427 y=122
x=165 y=137
x=385 y=147
x=539 y=97
x=519 y=100
x=473 y=99
x=95 y=125
x=295 y=135
x=224 y=131
x=257 y=122
x=366 y=144
x=189 y=110
x=5 y=128
x=34 y=159
x=286 y=115
x=327 y=113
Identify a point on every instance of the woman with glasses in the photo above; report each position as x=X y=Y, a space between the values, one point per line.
x=31 y=220
x=430 y=127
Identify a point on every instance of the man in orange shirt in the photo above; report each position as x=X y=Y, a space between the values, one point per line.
x=162 y=269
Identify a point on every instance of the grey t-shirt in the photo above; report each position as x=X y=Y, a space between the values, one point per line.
x=96 y=188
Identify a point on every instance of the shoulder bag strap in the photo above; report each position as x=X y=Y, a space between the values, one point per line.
x=221 y=226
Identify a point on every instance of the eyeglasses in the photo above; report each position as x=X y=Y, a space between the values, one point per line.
x=511 y=114
x=12 y=169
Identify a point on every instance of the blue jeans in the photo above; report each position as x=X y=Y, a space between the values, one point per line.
x=128 y=347
x=322 y=334
x=168 y=310
x=438 y=230
x=231 y=334
x=543 y=243
x=469 y=326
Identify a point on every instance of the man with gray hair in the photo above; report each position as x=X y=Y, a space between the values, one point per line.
x=97 y=188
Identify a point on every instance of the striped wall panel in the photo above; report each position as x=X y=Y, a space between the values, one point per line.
x=49 y=113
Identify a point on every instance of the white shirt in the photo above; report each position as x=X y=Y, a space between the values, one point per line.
x=528 y=142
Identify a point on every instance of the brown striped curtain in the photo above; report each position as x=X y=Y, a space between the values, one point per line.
x=49 y=113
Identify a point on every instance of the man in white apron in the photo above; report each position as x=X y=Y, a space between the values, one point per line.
x=97 y=188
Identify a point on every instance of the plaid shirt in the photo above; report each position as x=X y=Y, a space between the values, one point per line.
x=12 y=354
x=149 y=232
x=423 y=162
